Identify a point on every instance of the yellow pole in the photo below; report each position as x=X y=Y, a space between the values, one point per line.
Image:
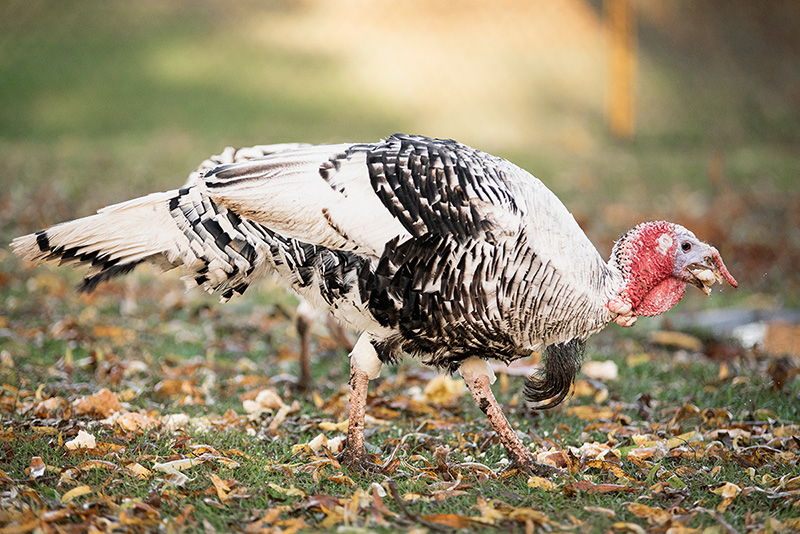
x=621 y=29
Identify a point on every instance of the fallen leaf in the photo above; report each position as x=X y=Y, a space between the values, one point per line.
x=136 y=422
x=97 y=464
x=591 y=487
x=605 y=370
x=591 y=412
x=75 y=492
x=541 y=483
x=283 y=411
x=291 y=491
x=181 y=387
x=37 y=467
x=444 y=390
x=600 y=510
x=101 y=404
x=330 y=426
x=728 y=491
x=451 y=520
x=489 y=514
x=50 y=407
x=628 y=527
x=83 y=440
x=654 y=516
x=175 y=421
x=178 y=465
x=553 y=457
x=341 y=478
x=267 y=400
x=677 y=340
x=138 y=470
x=635 y=360
x=118 y=336
x=222 y=488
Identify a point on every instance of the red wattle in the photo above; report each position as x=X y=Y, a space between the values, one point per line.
x=661 y=298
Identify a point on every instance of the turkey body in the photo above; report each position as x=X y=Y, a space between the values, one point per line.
x=452 y=254
x=425 y=246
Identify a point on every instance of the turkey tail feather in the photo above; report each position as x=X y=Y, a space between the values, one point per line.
x=554 y=380
x=111 y=242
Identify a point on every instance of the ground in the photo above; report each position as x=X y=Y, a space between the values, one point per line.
x=143 y=408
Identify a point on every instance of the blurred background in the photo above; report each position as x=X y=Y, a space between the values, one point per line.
x=628 y=110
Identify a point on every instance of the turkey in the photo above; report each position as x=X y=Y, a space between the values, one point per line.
x=424 y=246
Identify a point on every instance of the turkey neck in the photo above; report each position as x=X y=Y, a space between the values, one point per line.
x=548 y=303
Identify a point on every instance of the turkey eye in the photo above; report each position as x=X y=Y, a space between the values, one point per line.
x=686 y=247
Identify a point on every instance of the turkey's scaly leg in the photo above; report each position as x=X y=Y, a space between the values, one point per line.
x=304 y=318
x=339 y=334
x=364 y=366
x=479 y=377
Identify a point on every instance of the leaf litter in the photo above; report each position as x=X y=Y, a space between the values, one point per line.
x=102 y=436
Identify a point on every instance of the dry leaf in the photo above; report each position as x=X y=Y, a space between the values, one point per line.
x=341 y=478
x=97 y=464
x=37 y=467
x=654 y=516
x=101 y=404
x=628 y=527
x=49 y=407
x=591 y=412
x=541 y=483
x=451 y=520
x=175 y=421
x=118 y=336
x=222 y=488
x=728 y=491
x=291 y=491
x=330 y=426
x=178 y=465
x=606 y=370
x=635 y=360
x=600 y=510
x=677 y=340
x=83 y=440
x=136 y=422
x=75 y=492
x=138 y=470
x=267 y=400
x=444 y=390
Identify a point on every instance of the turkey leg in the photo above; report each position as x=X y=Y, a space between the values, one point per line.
x=303 y=322
x=479 y=377
x=364 y=366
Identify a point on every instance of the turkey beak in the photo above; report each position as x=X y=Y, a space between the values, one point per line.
x=704 y=274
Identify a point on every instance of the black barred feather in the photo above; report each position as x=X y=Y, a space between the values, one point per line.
x=90 y=283
x=560 y=364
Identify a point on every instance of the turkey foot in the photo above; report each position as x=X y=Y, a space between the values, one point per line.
x=359 y=461
x=529 y=466
x=478 y=377
x=625 y=315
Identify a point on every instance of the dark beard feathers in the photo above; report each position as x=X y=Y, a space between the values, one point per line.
x=554 y=379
